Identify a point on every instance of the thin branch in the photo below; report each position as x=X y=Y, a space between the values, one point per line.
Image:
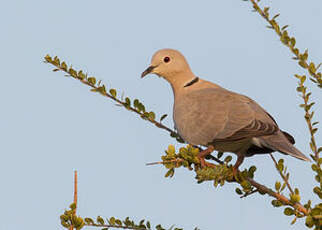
x=164 y=162
x=282 y=175
x=290 y=43
x=260 y=187
x=75 y=196
x=308 y=119
x=114 y=226
x=250 y=193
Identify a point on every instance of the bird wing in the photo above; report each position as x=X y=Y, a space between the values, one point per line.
x=245 y=119
x=215 y=114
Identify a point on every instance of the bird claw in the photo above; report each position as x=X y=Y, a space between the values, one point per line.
x=204 y=163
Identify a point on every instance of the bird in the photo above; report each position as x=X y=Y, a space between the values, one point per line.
x=206 y=114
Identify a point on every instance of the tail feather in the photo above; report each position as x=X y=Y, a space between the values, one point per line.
x=279 y=142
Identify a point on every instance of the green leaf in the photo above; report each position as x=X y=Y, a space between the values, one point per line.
x=312 y=68
x=72 y=72
x=277 y=185
x=118 y=222
x=309 y=221
x=288 y=211
x=81 y=75
x=100 y=220
x=238 y=191
x=275 y=16
x=127 y=101
x=113 y=92
x=295 y=198
x=141 y=107
x=89 y=221
x=152 y=115
x=292 y=41
x=163 y=117
x=91 y=80
x=302 y=64
x=72 y=206
x=284 y=27
x=48 y=58
x=276 y=203
x=170 y=173
x=246 y=185
x=171 y=150
x=112 y=221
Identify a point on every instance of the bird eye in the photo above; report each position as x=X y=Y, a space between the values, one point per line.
x=166 y=59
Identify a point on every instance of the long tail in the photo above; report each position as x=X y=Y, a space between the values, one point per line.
x=279 y=142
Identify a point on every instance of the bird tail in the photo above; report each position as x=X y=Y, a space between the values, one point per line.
x=279 y=142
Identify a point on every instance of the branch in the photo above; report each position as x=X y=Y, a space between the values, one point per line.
x=282 y=175
x=290 y=43
x=150 y=116
x=259 y=187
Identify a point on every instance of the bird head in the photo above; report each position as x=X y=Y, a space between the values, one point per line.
x=168 y=63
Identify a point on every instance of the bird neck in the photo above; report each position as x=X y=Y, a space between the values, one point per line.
x=182 y=81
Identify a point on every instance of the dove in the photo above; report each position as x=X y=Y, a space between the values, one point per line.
x=206 y=114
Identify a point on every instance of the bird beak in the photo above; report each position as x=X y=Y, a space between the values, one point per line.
x=147 y=71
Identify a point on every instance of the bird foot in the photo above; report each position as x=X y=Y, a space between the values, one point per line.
x=203 y=154
x=204 y=163
x=239 y=161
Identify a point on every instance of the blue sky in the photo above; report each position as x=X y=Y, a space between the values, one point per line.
x=52 y=125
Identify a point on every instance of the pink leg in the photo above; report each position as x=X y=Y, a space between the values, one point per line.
x=240 y=159
x=202 y=156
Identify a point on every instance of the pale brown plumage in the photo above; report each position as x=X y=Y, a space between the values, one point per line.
x=209 y=115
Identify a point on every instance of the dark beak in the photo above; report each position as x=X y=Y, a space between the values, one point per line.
x=147 y=71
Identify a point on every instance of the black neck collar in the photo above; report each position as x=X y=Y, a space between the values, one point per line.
x=195 y=80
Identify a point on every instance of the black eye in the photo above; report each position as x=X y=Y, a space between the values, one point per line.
x=166 y=59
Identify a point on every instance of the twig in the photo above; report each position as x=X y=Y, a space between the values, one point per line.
x=250 y=193
x=308 y=119
x=261 y=188
x=115 y=226
x=75 y=196
x=282 y=175
x=281 y=33
x=164 y=162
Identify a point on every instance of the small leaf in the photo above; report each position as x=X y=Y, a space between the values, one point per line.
x=127 y=101
x=277 y=185
x=238 y=191
x=284 y=27
x=112 y=221
x=100 y=220
x=163 y=117
x=170 y=173
x=152 y=115
x=288 y=211
x=91 y=80
x=89 y=221
x=113 y=92
x=48 y=58
x=276 y=16
x=118 y=222
x=276 y=203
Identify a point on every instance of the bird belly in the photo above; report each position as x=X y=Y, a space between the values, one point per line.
x=239 y=146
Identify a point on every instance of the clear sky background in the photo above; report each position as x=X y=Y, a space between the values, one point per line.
x=52 y=125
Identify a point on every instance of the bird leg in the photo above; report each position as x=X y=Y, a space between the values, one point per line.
x=239 y=161
x=203 y=154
